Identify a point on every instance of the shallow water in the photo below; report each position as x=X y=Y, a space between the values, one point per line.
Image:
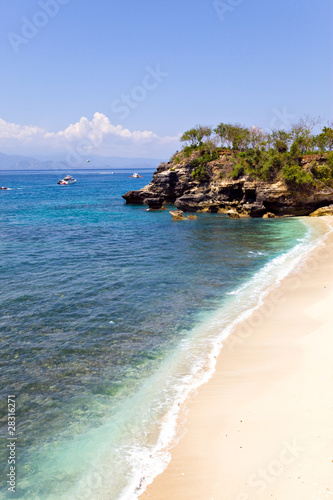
x=109 y=315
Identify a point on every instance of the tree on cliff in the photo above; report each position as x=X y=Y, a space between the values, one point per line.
x=280 y=139
x=234 y=136
x=195 y=136
x=299 y=138
x=301 y=133
x=221 y=132
x=324 y=141
x=257 y=137
x=239 y=137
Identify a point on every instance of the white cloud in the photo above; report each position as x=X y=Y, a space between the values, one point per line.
x=85 y=137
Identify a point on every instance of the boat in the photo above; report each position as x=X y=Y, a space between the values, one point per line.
x=135 y=175
x=66 y=180
x=3 y=188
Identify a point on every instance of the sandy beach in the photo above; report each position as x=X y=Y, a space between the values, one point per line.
x=261 y=427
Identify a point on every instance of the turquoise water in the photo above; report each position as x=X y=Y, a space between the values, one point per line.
x=109 y=315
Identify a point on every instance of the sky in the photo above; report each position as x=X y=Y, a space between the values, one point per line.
x=127 y=78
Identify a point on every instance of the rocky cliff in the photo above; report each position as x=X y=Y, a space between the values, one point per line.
x=216 y=191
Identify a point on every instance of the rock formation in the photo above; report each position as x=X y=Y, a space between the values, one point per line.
x=173 y=183
x=322 y=211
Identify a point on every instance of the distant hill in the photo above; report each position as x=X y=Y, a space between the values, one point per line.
x=58 y=162
x=16 y=162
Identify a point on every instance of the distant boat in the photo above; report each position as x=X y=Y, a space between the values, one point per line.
x=3 y=188
x=66 y=180
x=135 y=175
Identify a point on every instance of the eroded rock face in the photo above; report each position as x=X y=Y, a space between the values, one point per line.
x=192 y=202
x=166 y=184
x=280 y=200
x=173 y=183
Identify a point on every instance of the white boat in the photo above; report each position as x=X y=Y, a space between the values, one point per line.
x=135 y=175
x=67 y=180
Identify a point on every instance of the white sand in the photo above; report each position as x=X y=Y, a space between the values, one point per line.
x=262 y=427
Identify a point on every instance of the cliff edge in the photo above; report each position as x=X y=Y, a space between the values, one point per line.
x=218 y=182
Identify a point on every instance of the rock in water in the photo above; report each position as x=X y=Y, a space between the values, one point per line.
x=233 y=215
x=192 y=217
x=177 y=215
x=154 y=203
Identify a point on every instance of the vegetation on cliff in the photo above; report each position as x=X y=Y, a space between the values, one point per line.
x=278 y=155
x=246 y=172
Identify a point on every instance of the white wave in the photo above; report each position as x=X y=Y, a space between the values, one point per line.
x=257 y=253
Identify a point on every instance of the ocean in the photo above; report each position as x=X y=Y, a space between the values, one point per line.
x=110 y=316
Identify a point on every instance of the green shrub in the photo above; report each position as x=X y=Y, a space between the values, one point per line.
x=177 y=160
x=294 y=155
x=207 y=157
x=329 y=158
x=281 y=146
x=264 y=165
x=253 y=158
x=195 y=163
x=271 y=165
x=199 y=165
x=321 y=172
x=200 y=173
x=295 y=175
x=188 y=150
x=238 y=170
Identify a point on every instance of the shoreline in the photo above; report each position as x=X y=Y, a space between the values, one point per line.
x=260 y=383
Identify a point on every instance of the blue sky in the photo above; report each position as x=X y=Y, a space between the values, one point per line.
x=125 y=78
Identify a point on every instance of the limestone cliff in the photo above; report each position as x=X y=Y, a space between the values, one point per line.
x=216 y=191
